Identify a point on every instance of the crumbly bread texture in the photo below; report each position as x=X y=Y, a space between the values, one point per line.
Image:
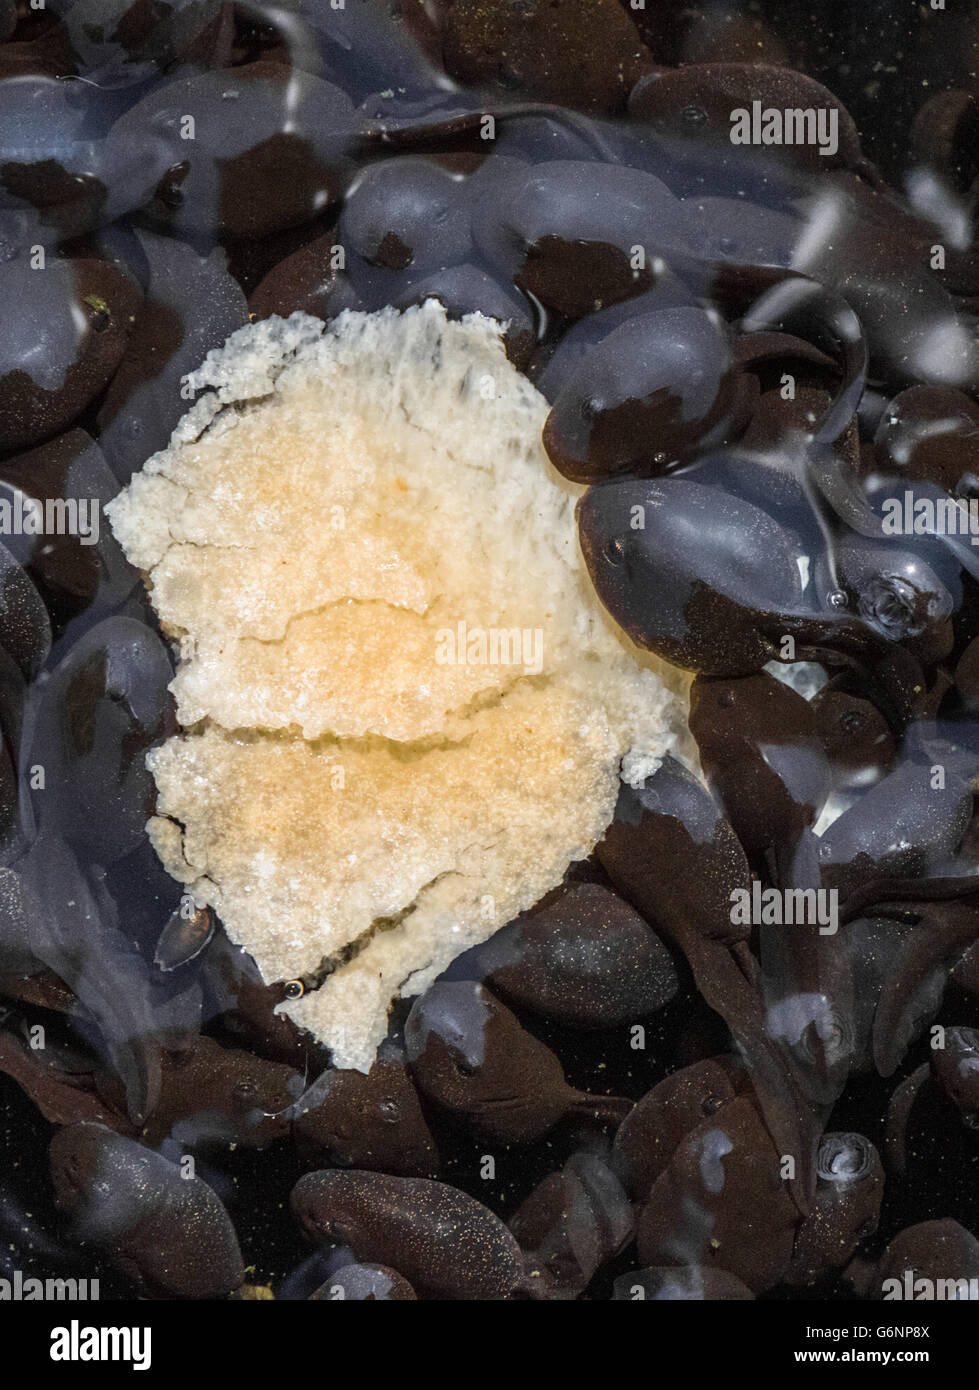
x=405 y=710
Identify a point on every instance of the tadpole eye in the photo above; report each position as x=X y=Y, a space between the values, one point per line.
x=913 y=603
x=244 y=1093
x=614 y=552
x=710 y=1105
x=891 y=603
x=465 y=1068
x=294 y=989
x=390 y=1111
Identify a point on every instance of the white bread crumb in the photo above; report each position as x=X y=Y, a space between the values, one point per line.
x=324 y=519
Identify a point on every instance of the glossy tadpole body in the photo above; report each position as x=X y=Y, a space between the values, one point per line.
x=370 y=1121
x=846 y=1209
x=438 y=1238
x=584 y=958
x=164 y=1229
x=723 y=1202
x=470 y=1055
x=642 y=398
x=692 y=573
x=759 y=745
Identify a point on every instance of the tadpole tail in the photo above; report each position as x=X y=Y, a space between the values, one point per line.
x=795 y=303
x=881 y=892
x=794 y=1127
x=928 y=948
x=607 y=1112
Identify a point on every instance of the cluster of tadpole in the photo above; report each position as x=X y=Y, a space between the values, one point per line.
x=748 y=356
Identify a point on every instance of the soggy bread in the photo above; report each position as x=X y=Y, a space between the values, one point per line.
x=405 y=713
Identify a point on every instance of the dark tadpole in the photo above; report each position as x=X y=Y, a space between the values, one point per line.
x=538 y=50
x=661 y=830
x=192 y=305
x=437 y=1237
x=582 y=957
x=723 y=1201
x=469 y=1054
x=165 y=1229
x=97 y=714
x=406 y=212
x=267 y=149
x=63 y=1097
x=643 y=398
x=573 y=233
x=211 y=1094
x=651 y=1133
x=928 y=434
x=370 y=1120
x=692 y=573
x=934 y=1259
x=759 y=744
x=572 y=1224
x=699 y=99
x=671 y=853
x=955 y=1067
x=907 y=825
x=62 y=347
x=846 y=1208
x=713 y=583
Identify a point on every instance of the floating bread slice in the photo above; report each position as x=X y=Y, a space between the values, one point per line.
x=404 y=711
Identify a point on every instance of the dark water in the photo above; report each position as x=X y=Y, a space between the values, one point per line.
x=764 y=349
